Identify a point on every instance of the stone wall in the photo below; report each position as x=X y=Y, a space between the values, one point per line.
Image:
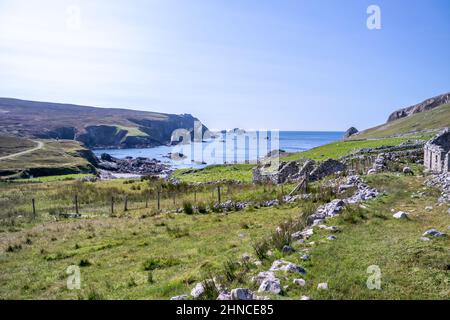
x=436 y=157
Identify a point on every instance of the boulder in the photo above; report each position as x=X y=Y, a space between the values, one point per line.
x=322 y=286
x=434 y=233
x=271 y=285
x=197 y=291
x=242 y=294
x=350 y=132
x=299 y=282
x=282 y=265
x=400 y=215
x=182 y=297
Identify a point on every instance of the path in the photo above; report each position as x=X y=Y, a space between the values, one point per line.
x=39 y=146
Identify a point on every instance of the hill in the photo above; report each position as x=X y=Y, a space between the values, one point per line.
x=20 y=157
x=424 y=106
x=95 y=127
x=422 y=124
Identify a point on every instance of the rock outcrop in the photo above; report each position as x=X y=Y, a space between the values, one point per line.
x=293 y=171
x=420 y=107
x=350 y=132
x=95 y=127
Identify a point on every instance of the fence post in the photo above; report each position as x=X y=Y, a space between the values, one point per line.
x=34 y=208
x=195 y=195
x=218 y=193
x=126 y=204
x=76 y=204
x=112 y=205
x=146 y=201
x=159 y=200
x=174 y=198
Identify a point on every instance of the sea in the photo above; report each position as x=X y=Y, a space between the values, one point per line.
x=229 y=147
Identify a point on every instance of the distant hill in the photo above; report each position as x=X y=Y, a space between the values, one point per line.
x=424 y=106
x=424 y=118
x=95 y=127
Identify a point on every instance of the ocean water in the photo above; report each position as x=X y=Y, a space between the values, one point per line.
x=230 y=148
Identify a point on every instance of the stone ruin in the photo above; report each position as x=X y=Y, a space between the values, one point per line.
x=294 y=171
x=436 y=153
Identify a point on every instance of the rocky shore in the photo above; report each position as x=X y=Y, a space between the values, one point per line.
x=111 y=167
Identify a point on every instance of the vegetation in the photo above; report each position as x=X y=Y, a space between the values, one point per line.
x=431 y=121
x=12 y=145
x=55 y=157
x=239 y=172
x=144 y=255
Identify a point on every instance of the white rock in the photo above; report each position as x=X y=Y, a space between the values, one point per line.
x=425 y=239
x=299 y=282
x=331 y=238
x=322 y=286
x=305 y=298
x=400 y=215
x=429 y=208
x=198 y=291
x=242 y=294
x=224 y=296
x=434 y=233
x=282 y=265
x=182 y=297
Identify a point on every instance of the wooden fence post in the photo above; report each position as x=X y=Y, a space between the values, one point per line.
x=76 y=204
x=218 y=193
x=112 y=205
x=146 y=201
x=195 y=195
x=125 y=208
x=174 y=195
x=34 y=208
x=159 y=200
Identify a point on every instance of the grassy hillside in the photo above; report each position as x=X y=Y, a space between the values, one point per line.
x=95 y=127
x=432 y=120
x=12 y=145
x=141 y=255
x=55 y=157
x=243 y=172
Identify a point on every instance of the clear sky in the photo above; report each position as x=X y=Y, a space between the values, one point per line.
x=289 y=65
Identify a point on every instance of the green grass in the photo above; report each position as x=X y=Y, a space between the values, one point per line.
x=132 y=131
x=63 y=157
x=11 y=145
x=434 y=120
x=159 y=256
x=239 y=172
x=56 y=178
x=338 y=149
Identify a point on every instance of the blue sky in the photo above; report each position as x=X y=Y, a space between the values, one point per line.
x=289 y=65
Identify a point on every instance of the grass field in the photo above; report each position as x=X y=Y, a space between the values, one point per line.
x=12 y=145
x=243 y=172
x=239 y=172
x=145 y=256
x=62 y=156
x=433 y=120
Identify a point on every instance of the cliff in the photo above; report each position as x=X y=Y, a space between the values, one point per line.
x=95 y=127
x=426 y=105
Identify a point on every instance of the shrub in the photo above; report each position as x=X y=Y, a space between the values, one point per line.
x=261 y=247
x=84 y=263
x=187 y=208
x=230 y=267
x=159 y=263
x=202 y=208
x=177 y=232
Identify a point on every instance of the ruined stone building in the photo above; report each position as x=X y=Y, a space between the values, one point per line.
x=436 y=153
